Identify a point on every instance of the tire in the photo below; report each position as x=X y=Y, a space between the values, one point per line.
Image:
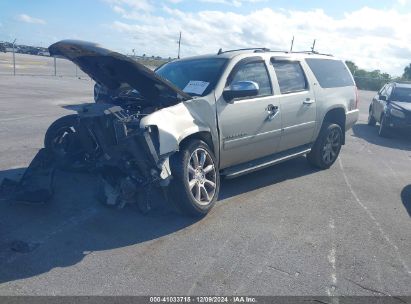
x=60 y=140
x=196 y=180
x=371 y=120
x=383 y=130
x=327 y=147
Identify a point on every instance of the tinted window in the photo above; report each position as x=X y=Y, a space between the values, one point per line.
x=180 y=73
x=291 y=77
x=330 y=73
x=257 y=72
x=401 y=94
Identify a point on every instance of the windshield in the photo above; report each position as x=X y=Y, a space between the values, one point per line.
x=196 y=77
x=401 y=94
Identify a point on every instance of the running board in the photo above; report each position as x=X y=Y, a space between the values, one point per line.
x=264 y=162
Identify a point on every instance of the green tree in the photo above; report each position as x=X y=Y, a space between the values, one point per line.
x=352 y=67
x=407 y=72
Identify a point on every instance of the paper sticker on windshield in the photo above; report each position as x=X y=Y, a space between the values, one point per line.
x=196 y=87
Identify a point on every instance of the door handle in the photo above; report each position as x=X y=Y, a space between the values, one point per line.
x=272 y=111
x=308 y=101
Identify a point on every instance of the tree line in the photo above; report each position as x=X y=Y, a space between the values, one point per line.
x=374 y=80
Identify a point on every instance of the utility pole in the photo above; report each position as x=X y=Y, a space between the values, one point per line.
x=14 y=57
x=312 y=48
x=292 y=44
x=179 y=46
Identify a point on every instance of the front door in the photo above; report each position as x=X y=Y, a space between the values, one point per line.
x=298 y=106
x=250 y=127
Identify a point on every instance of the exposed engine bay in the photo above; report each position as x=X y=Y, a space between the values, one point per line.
x=107 y=137
x=106 y=140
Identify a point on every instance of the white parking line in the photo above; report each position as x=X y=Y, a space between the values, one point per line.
x=372 y=217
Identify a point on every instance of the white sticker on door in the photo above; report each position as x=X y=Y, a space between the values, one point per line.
x=196 y=87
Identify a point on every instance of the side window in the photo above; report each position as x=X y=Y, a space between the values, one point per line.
x=291 y=77
x=383 y=90
x=388 y=91
x=257 y=72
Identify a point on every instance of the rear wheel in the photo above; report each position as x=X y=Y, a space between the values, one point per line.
x=371 y=119
x=327 y=147
x=196 y=181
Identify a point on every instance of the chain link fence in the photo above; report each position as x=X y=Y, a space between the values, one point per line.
x=32 y=65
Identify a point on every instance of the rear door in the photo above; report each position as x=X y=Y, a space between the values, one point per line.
x=297 y=101
x=250 y=127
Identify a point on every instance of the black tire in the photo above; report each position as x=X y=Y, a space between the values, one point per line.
x=60 y=140
x=318 y=157
x=182 y=195
x=371 y=120
x=383 y=130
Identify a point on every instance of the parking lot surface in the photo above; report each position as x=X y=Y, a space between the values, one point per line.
x=285 y=230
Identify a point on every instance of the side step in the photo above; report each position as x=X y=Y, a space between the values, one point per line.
x=264 y=162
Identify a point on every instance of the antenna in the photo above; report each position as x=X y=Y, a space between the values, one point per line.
x=312 y=48
x=292 y=44
x=179 y=46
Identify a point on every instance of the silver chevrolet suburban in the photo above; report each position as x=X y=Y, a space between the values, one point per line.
x=193 y=120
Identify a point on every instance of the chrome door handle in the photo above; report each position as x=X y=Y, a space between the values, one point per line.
x=308 y=101
x=272 y=111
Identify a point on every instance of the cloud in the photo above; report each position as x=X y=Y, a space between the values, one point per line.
x=135 y=5
x=28 y=19
x=358 y=36
x=236 y=3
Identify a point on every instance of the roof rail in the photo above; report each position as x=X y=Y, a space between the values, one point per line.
x=262 y=49
x=257 y=50
x=312 y=52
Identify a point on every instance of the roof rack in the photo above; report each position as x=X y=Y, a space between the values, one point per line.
x=258 y=50
x=220 y=51
x=312 y=52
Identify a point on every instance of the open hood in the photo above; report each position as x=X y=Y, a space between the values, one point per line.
x=115 y=70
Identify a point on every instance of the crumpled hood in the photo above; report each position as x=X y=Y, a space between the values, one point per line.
x=402 y=105
x=114 y=70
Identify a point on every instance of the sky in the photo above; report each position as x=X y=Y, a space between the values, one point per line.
x=374 y=34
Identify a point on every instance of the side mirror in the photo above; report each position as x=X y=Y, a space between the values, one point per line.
x=241 y=89
x=383 y=97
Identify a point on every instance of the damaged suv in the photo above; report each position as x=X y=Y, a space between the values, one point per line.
x=196 y=119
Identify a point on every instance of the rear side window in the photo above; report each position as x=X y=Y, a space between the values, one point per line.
x=257 y=72
x=290 y=75
x=330 y=73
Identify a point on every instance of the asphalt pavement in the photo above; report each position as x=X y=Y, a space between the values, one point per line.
x=286 y=230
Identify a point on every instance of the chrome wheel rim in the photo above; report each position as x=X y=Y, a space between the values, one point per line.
x=201 y=176
x=331 y=146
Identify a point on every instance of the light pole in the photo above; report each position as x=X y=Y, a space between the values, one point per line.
x=14 y=57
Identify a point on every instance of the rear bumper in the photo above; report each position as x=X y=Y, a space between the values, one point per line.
x=351 y=118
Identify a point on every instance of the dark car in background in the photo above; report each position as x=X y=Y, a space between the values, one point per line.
x=391 y=108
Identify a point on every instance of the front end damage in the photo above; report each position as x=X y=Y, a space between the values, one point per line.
x=109 y=143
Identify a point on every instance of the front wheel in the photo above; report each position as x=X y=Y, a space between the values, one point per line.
x=327 y=147
x=62 y=142
x=196 y=180
x=383 y=131
x=371 y=119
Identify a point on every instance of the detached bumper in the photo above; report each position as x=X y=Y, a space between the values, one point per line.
x=351 y=118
